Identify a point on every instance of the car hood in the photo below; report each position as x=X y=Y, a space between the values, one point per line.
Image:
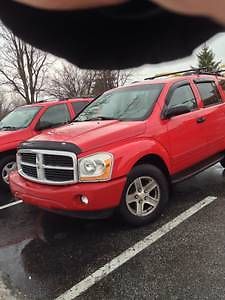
x=93 y=134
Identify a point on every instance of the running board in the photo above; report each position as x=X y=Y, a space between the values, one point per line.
x=194 y=170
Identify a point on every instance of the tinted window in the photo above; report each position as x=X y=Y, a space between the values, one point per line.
x=183 y=95
x=131 y=103
x=209 y=93
x=78 y=106
x=55 y=115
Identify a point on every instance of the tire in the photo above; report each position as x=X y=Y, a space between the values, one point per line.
x=6 y=163
x=222 y=162
x=139 y=206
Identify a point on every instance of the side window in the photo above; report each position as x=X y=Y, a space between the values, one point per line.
x=78 y=106
x=209 y=93
x=55 y=115
x=183 y=95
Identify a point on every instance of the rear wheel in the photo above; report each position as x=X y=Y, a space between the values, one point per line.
x=222 y=162
x=145 y=195
x=7 y=165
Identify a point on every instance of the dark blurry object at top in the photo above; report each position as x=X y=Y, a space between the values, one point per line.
x=116 y=37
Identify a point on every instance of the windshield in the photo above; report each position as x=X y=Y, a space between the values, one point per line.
x=131 y=104
x=19 y=118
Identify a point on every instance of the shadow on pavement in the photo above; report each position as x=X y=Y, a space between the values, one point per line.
x=5 y=197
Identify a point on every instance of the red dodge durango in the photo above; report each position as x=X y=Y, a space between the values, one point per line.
x=125 y=149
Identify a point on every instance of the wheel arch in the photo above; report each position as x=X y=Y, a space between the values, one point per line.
x=128 y=155
x=155 y=160
x=7 y=153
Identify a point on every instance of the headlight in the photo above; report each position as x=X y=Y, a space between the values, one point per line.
x=97 y=167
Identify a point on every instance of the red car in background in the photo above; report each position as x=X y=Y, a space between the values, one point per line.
x=28 y=121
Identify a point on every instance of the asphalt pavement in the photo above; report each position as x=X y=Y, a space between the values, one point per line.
x=44 y=255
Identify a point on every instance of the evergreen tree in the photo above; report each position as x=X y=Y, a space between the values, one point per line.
x=206 y=59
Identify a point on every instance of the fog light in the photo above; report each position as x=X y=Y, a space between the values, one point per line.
x=84 y=200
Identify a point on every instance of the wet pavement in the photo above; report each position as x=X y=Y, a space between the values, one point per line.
x=42 y=255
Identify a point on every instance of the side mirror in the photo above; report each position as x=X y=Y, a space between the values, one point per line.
x=176 y=111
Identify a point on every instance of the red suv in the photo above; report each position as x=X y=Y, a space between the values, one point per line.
x=125 y=149
x=27 y=121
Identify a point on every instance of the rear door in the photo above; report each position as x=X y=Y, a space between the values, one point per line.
x=213 y=113
x=186 y=141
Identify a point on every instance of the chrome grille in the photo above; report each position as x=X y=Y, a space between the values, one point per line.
x=57 y=160
x=30 y=171
x=47 y=166
x=29 y=157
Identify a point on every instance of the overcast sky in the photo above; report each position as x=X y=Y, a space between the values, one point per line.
x=217 y=44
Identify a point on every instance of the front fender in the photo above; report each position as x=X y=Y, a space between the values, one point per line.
x=128 y=154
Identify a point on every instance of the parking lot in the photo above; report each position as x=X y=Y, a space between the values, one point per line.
x=43 y=256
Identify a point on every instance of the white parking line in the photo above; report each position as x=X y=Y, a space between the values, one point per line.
x=11 y=204
x=128 y=254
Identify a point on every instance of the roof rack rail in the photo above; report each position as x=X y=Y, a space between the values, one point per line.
x=198 y=71
x=64 y=99
x=47 y=100
x=75 y=97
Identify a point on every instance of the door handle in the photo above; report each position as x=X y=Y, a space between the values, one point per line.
x=201 y=120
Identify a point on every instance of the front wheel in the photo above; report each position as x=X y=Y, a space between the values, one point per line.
x=7 y=165
x=145 y=195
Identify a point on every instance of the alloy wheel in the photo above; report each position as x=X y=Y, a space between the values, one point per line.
x=8 y=168
x=143 y=196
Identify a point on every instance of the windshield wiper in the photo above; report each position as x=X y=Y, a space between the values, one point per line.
x=98 y=118
x=10 y=127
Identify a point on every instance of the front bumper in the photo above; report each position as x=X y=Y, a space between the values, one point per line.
x=101 y=195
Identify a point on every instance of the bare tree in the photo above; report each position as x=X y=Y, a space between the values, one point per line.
x=23 y=68
x=107 y=79
x=5 y=105
x=72 y=82
x=2 y=109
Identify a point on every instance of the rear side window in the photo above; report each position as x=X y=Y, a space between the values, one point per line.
x=56 y=115
x=183 y=95
x=78 y=106
x=209 y=93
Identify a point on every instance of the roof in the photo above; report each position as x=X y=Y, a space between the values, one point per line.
x=174 y=77
x=45 y=103
x=177 y=78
